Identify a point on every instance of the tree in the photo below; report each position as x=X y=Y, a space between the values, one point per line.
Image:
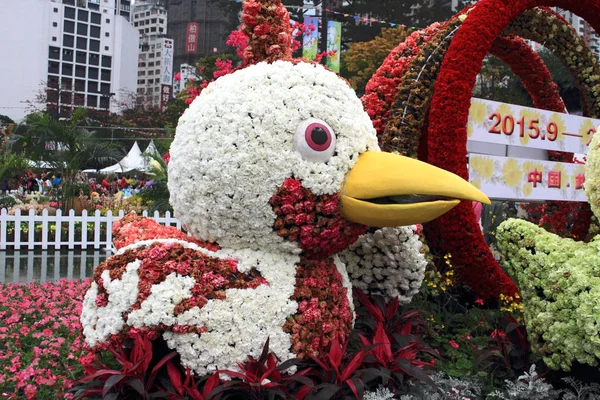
x=411 y=13
x=362 y=59
x=234 y=8
x=66 y=147
x=497 y=82
x=156 y=196
x=565 y=81
x=5 y=120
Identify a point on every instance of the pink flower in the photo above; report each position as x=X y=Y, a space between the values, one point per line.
x=479 y=301
x=30 y=391
x=497 y=333
x=453 y=343
x=177 y=77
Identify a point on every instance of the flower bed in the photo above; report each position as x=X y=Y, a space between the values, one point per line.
x=40 y=339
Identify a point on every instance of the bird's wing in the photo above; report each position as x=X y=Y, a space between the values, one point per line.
x=387 y=261
x=153 y=283
x=133 y=228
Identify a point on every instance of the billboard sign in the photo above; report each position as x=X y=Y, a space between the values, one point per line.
x=310 y=43
x=166 y=93
x=167 y=62
x=526 y=180
x=511 y=125
x=191 y=38
x=334 y=43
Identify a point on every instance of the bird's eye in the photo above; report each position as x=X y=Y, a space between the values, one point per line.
x=315 y=140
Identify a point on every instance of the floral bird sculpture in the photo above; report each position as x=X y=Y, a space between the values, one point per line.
x=278 y=163
x=559 y=280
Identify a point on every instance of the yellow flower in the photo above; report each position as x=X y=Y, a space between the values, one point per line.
x=484 y=166
x=529 y=166
x=586 y=130
x=478 y=111
x=529 y=116
x=564 y=175
x=504 y=110
x=512 y=173
x=560 y=125
x=527 y=189
x=469 y=130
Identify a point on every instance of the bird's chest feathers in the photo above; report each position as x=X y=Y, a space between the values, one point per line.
x=313 y=222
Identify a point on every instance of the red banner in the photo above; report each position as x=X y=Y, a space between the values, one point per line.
x=166 y=92
x=191 y=38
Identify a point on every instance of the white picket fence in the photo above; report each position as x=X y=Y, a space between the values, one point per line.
x=100 y=235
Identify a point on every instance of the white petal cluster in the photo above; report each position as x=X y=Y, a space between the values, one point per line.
x=99 y=323
x=237 y=326
x=159 y=307
x=341 y=268
x=234 y=147
x=387 y=262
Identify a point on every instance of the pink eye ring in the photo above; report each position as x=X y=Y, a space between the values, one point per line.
x=315 y=140
x=318 y=137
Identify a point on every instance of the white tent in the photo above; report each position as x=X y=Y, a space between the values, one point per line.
x=147 y=156
x=133 y=160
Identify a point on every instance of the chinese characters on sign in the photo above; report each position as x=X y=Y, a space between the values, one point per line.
x=522 y=179
x=534 y=177
x=191 y=38
x=554 y=179
x=166 y=92
x=579 y=180
x=167 y=62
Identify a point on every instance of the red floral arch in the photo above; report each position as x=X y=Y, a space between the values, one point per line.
x=447 y=137
x=387 y=90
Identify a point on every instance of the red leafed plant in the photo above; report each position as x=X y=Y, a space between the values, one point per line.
x=265 y=378
x=188 y=388
x=134 y=377
x=340 y=373
x=392 y=340
x=395 y=364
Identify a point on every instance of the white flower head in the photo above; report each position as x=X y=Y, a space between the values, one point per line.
x=247 y=133
x=388 y=262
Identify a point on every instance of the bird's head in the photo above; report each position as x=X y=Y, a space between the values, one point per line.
x=280 y=155
x=283 y=155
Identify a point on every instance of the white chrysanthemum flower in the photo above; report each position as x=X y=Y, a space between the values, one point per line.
x=100 y=322
x=387 y=262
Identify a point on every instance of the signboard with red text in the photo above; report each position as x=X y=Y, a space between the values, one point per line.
x=191 y=38
x=526 y=180
x=511 y=125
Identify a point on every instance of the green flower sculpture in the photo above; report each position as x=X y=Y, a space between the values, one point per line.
x=559 y=281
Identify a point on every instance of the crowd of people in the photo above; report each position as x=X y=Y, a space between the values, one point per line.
x=44 y=183
x=115 y=184
x=31 y=182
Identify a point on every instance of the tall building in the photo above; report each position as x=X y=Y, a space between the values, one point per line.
x=199 y=28
x=187 y=73
x=80 y=53
x=155 y=64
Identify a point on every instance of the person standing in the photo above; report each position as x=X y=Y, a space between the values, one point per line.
x=105 y=184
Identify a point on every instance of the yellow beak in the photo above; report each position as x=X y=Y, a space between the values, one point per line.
x=385 y=189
